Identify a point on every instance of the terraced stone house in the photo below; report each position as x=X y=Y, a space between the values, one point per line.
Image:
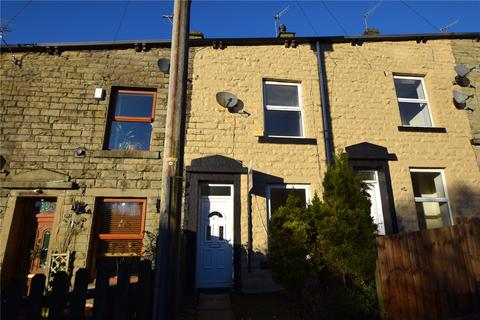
x=82 y=130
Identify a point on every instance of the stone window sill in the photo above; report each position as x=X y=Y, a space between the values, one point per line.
x=135 y=154
x=287 y=140
x=422 y=129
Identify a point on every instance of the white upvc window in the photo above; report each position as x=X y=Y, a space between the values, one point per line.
x=431 y=198
x=412 y=101
x=283 y=109
x=277 y=195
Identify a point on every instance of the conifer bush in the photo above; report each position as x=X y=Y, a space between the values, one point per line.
x=331 y=242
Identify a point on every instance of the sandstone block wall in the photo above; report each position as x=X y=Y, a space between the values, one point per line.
x=48 y=110
x=364 y=108
x=211 y=129
x=467 y=53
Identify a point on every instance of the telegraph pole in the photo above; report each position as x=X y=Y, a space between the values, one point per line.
x=166 y=269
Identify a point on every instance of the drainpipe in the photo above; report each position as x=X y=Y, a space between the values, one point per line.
x=327 y=123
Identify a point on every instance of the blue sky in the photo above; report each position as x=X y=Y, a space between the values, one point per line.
x=73 y=21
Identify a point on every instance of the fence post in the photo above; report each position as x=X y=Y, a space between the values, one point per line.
x=143 y=306
x=120 y=307
x=58 y=297
x=34 y=306
x=79 y=295
x=101 y=294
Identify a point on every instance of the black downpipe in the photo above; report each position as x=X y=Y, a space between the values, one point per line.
x=327 y=123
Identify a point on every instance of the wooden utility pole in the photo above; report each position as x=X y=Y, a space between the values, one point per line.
x=166 y=268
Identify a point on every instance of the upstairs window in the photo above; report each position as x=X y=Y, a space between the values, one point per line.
x=430 y=198
x=131 y=119
x=412 y=101
x=283 y=110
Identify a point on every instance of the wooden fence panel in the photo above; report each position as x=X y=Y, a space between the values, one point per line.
x=79 y=295
x=431 y=274
x=34 y=306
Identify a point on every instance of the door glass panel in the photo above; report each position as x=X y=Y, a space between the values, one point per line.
x=44 y=249
x=207 y=190
x=220 y=233
x=367 y=175
x=209 y=233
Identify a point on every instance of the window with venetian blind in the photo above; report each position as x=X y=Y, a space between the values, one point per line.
x=121 y=226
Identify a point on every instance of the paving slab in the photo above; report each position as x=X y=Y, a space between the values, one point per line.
x=214 y=306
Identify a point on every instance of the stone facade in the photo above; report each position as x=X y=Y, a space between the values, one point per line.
x=467 y=53
x=364 y=108
x=48 y=110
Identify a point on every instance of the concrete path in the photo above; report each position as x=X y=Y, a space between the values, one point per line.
x=214 y=307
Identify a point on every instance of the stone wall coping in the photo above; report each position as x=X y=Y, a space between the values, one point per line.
x=37 y=184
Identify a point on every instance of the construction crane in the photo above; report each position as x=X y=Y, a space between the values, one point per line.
x=277 y=17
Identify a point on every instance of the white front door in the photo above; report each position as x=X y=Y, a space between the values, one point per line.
x=215 y=237
x=370 y=177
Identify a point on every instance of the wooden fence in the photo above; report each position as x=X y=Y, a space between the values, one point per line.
x=122 y=301
x=431 y=274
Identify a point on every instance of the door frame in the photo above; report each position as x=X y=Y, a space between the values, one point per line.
x=199 y=223
x=13 y=203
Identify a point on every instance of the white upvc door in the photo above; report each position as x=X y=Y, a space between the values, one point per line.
x=215 y=241
x=376 y=211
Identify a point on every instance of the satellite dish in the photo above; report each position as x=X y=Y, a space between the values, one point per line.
x=164 y=65
x=460 y=99
x=462 y=71
x=226 y=99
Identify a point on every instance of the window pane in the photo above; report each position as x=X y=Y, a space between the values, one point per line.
x=130 y=136
x=428 y=184
x=278 y=197
x=133 y=105
x=121 y=218
x=436 y=214
x=283 y=123
x=281 y=95
x=207 y=190
x=415 y=114
x=409 y=88
x=121 y=246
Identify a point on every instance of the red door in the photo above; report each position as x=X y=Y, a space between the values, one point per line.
x=38 y=257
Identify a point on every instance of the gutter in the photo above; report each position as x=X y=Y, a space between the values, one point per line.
x=327 y=123
x=144 y=45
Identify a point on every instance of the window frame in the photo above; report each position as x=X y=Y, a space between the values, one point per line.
x=410 y=100
x=432 y=199
x=112 y=117
x=123 y=236
x=302 y=186
x=298 y=108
